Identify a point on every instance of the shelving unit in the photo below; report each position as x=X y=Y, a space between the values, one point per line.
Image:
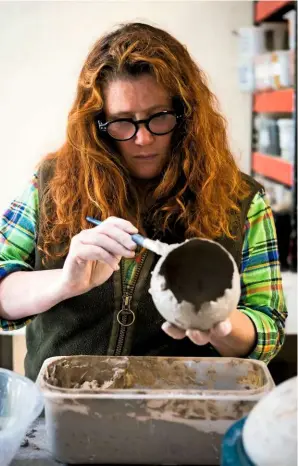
x=281 y=103
x=273 y=167
x=265 y=10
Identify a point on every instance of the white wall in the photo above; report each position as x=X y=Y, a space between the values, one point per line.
x=43 y=46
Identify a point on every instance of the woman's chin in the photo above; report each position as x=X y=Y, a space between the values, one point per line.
x=145 y=174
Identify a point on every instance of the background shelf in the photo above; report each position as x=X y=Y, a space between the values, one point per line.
x=266 y=9
x=274 y=101
x=273 y=167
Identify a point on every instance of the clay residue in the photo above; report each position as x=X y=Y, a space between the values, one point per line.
x=253 y=379
x=197 y=409
x=82 y=373
x=89 y=373
x=160 y=374
x=115 y=382
x=142 y=373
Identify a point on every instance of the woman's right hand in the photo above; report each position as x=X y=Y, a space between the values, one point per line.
x=94 y=255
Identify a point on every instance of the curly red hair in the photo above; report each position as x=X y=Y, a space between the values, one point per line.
x=89 y=178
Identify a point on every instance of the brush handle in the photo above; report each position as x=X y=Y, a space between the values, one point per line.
x=138 y=239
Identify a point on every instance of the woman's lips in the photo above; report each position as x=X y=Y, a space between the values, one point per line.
x=145 y=157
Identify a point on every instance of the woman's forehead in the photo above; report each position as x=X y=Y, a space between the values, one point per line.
x=138 y=94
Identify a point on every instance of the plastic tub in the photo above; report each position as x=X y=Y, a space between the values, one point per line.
x=149 y=410
x=20 y=404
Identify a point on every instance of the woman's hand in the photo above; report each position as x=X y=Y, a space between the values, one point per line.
x=235 y=336
x=221 y=330
x=94 y=255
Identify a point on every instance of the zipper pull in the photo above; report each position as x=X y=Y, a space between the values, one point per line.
x=126 y=316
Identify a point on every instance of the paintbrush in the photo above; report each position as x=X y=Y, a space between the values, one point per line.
x=155 y=246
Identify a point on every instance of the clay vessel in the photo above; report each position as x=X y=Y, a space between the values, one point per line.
x=196 y=284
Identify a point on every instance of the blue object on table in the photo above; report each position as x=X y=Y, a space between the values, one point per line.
x=138 y=239
x=232 y=449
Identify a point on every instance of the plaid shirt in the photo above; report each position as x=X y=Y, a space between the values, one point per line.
x=262 y=296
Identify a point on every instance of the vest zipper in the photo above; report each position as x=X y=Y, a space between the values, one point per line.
x=126 y=316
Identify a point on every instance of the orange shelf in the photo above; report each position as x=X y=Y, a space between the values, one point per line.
x=274 y=101
x=264 y=9
x=273 y=167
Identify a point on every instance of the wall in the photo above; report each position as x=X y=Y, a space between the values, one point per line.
x=42 y=48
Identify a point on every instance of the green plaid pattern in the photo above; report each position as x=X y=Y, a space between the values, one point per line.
x=17 y=239
x=262 y=298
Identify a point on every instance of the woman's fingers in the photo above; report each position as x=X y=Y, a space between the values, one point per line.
x=89 y=252
x=122 y=237
x=117 y=247
x=172 y=331
x=198 y=337
x=120 y=223
x=222 y=329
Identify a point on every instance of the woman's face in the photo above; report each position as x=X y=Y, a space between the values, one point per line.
x=146 y=154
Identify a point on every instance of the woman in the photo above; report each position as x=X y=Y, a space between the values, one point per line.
x=146 y=151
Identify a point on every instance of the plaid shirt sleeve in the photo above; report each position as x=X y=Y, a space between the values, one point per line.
x=262 y=298
x=17 y=240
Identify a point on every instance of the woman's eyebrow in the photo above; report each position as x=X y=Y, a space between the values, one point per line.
x=131 y=113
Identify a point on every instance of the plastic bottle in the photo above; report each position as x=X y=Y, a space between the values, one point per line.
x=268 y=435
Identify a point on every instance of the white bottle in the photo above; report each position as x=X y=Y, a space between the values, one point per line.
x=270 y=431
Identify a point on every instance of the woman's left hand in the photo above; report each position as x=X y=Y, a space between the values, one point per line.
x=219 y=331
x=235 y=336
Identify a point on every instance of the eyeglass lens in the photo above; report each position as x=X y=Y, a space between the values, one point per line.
x=160 y=124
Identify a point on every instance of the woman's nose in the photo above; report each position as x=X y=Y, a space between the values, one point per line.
x=143 y=136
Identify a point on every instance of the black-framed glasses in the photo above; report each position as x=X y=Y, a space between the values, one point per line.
x=124 y=129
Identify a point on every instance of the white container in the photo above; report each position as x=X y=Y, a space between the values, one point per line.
x=270 y=431
x=263 y=80
x=280 y=69
x=287 y=138
x=20 y=404
x=291 y=17
x=156 y=411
